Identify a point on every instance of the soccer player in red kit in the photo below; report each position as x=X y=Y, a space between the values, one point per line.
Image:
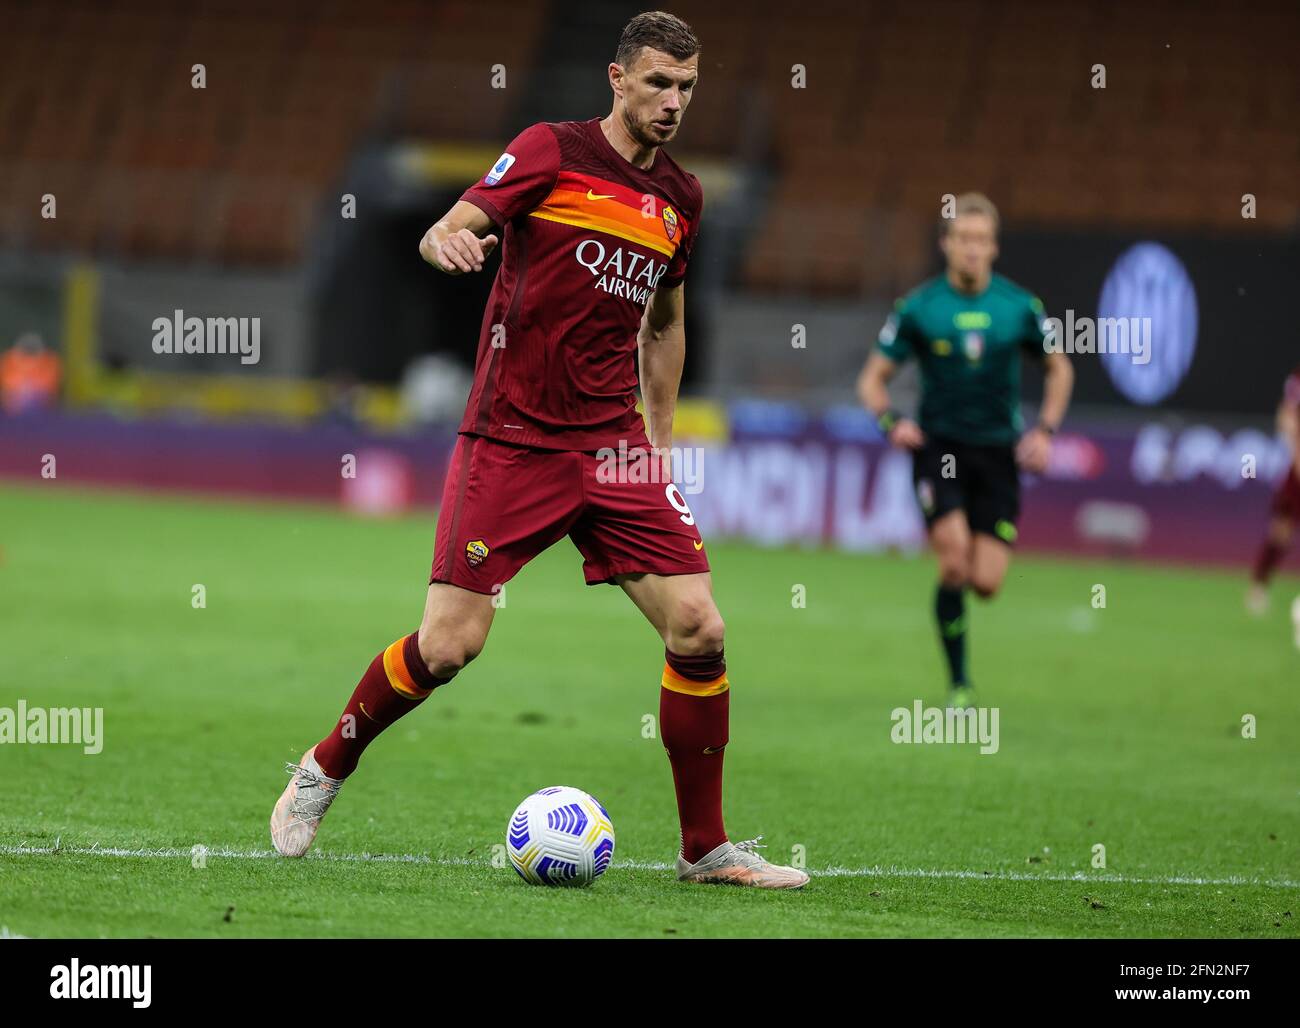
x=597 y=224
x=1284 y=511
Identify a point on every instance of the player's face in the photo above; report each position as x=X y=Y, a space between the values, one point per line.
x=971 y=246
x=656 y=90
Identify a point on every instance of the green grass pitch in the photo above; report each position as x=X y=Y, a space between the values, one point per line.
x=1119 y=726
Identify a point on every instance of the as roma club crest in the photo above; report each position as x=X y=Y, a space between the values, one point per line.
x=670 y=223
x=475 y=551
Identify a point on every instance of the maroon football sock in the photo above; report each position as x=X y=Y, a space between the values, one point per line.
x=693 y=707
x=1269 y=556
x=396 y=682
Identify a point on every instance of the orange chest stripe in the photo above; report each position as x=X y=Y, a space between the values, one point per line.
x=590 y=198
x=575 y=209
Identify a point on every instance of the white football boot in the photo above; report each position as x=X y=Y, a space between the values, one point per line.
x=303 y=803
x=738 y=864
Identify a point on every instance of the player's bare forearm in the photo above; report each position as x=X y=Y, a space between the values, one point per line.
x=873 y=393
x=1033 y=451
x=460 y=241
x=661 y=350
x=1288 y=426
x=1058 y=384
x=873 y=383
x=1288 y=423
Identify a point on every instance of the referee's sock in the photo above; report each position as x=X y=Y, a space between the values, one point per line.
x=950 y=613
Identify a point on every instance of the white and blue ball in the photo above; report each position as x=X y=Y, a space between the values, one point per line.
x=560 y=836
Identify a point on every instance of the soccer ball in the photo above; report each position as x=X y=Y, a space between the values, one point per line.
x=560 y=836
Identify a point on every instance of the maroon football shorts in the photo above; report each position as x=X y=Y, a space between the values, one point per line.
x=1286 y=501
x=502 y=505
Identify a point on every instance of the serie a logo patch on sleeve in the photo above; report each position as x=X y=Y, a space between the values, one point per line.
x=499 y=169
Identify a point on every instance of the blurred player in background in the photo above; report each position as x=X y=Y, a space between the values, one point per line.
x=598 y=224
x=1285 y=508
x=968 y=329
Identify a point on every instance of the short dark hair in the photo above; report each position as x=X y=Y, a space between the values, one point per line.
x=658 y=30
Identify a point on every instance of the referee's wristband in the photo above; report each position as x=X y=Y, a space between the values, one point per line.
x=887 y=421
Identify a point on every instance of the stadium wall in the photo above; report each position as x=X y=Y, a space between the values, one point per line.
x=775 y=476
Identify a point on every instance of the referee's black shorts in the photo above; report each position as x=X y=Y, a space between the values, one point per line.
x=981 y=480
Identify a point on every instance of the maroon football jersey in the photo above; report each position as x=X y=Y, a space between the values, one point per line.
x=587 y=237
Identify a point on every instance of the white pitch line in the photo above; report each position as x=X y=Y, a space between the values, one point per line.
x=878 y=871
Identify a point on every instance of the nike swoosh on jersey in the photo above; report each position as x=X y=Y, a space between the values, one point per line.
x=698 y=543
x=599 y=196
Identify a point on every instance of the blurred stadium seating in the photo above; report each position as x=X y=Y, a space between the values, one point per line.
x=231 y=172
x=826 y=134
x=904 y=102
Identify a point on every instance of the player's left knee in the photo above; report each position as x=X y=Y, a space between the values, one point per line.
x=695 y=627
x=985 y=588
